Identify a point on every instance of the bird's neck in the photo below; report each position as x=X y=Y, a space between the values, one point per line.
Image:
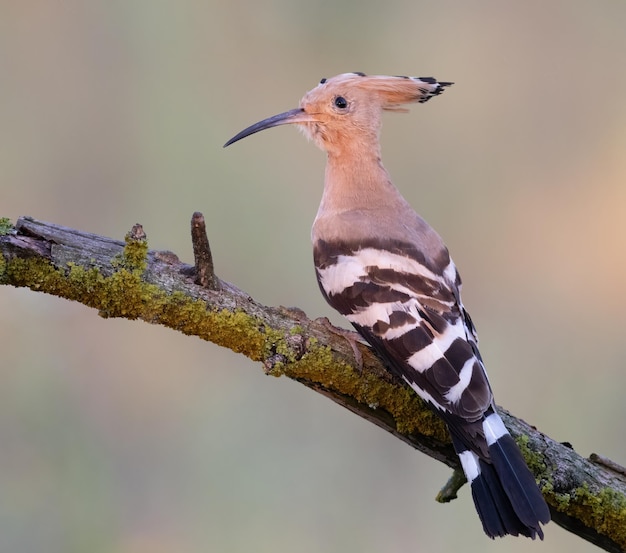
x=359 y=201
x=356 y=180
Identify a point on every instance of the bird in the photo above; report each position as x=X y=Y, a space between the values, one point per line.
x=385 y=269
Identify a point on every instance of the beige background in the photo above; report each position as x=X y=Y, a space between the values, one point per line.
x=121 y=437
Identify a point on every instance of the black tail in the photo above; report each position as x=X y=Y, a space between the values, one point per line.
x=518 y=483
x=504 y=490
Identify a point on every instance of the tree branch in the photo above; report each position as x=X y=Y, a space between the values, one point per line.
x=125 y=279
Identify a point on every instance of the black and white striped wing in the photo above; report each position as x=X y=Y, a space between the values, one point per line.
x=410 y=312
x=409 y=309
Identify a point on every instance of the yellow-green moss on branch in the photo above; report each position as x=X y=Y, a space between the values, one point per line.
x=5 y=226
x=604 y=509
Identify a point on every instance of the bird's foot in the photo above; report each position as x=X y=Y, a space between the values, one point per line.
x=353 y=338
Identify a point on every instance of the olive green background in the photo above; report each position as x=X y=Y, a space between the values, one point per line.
x=121 y=437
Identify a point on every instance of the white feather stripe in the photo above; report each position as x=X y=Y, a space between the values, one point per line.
x=425 y=358
x=494 y=428
x=343 y=274
x=374 y=313
x=383 y=259
x=470 y=464
x=349 y=269
x=465 y=375
x=450 y=272
x=395 y=332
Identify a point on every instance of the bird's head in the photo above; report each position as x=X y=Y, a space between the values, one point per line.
x=346 y=109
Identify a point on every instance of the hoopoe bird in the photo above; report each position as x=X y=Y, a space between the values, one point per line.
x=389 y=273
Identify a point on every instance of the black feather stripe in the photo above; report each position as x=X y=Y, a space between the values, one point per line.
x=498 y=501
x=472 y=401
x=519 y=483
x=397 y=320
x=442 y=377
x=363 y=294
x=428 y=288
x=408 y=343
x=487 y=511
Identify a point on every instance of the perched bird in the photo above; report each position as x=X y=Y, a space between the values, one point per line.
x=389 y=273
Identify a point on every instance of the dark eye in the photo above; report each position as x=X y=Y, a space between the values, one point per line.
x=341 y=102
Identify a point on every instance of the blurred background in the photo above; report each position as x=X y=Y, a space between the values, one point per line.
x=122 y=437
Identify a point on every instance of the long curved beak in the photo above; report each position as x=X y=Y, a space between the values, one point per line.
x=297 y=115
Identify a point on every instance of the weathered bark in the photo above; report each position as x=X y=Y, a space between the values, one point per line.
x=587 y=497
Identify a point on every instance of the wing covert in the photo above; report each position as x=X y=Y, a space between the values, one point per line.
x=412 y=316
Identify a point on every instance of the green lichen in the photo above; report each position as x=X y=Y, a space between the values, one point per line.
x=135 y=254
x=603 y=510
x=236 y=330
x=5 y=226
x=534 y=459
x=124 y=294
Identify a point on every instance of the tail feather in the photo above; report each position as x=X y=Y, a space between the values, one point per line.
x=500 y=502
x=519 y=484
x=488 y=510
x=506 y=496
